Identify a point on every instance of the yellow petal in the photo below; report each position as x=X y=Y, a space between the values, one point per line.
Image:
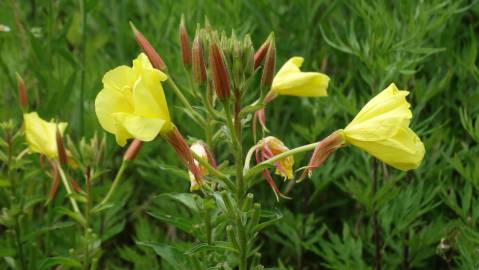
x=121 y=78
x=149 y=99
x=291 y=81
x=403 y=151
x=108 y=102
x=381 y=116
x=142 y=128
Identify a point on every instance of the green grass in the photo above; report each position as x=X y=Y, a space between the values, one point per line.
x=428 y=218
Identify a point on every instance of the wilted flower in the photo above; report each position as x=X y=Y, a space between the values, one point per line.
x=41 y=135
x=381 y=128
x=132 y=103
x=268 y=148
x=200 y=149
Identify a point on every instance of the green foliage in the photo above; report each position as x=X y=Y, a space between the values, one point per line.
x=426 y=219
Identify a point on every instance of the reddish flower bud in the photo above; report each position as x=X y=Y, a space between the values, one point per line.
x=261 y=53
x=62 y=153
x=75 y=185
x=185 y=43
x=22 y=92
x=55 y=182
x=322 y=151
x=198 y=61
x=133 y=150
x=145 y=45
x=219 y=73
x=269 y=66
x=184 y=153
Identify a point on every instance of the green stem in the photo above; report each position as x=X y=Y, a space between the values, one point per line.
x=194 y=114
x=240 y=193
x=259 y=167
x=69 y=191
x=115 y=183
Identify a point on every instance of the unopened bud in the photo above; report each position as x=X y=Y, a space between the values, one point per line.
x=145 y=45
x=198 y=60
x=22 y=92
x=185 y=43
x=62 y=153
x=133 y=150
x=269 y=66
x=219 y=73
x=55 y=182
x=261 y=52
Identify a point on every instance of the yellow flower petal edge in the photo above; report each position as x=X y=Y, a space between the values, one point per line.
x=290 y=80
x=132 y=103
x=41 y=135
x=381 y=128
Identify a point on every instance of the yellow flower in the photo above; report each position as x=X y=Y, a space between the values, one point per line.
x=290 y=80
x=381 y=128
x=41 y=135
x=132 y=103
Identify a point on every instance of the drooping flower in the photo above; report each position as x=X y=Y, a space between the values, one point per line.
x=132 y=103
x=381 y=128
x=41 y=135
x=268 y=148
x=200 y=149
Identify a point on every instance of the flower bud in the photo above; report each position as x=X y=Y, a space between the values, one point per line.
x=219 y=73
x=198 y=60
x=185 y=43
x=62 y=153
x=261 y=52
x=22 y=93
x=269 y=66
x=248 y=56
x=133 y=150
x=145 y=45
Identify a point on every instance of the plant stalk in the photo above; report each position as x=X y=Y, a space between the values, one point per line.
x=114 y=185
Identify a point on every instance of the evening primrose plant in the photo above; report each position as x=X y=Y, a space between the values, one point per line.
x=233 y=83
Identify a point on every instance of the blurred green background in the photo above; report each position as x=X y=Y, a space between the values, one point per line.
x=429 y=218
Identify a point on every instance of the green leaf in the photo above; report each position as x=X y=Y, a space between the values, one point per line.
x=170 y=254
x=48 y=263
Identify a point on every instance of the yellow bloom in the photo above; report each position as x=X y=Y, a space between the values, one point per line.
x=41 y=135
x=290 y=80
x=381 y=128
x=132 y=103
